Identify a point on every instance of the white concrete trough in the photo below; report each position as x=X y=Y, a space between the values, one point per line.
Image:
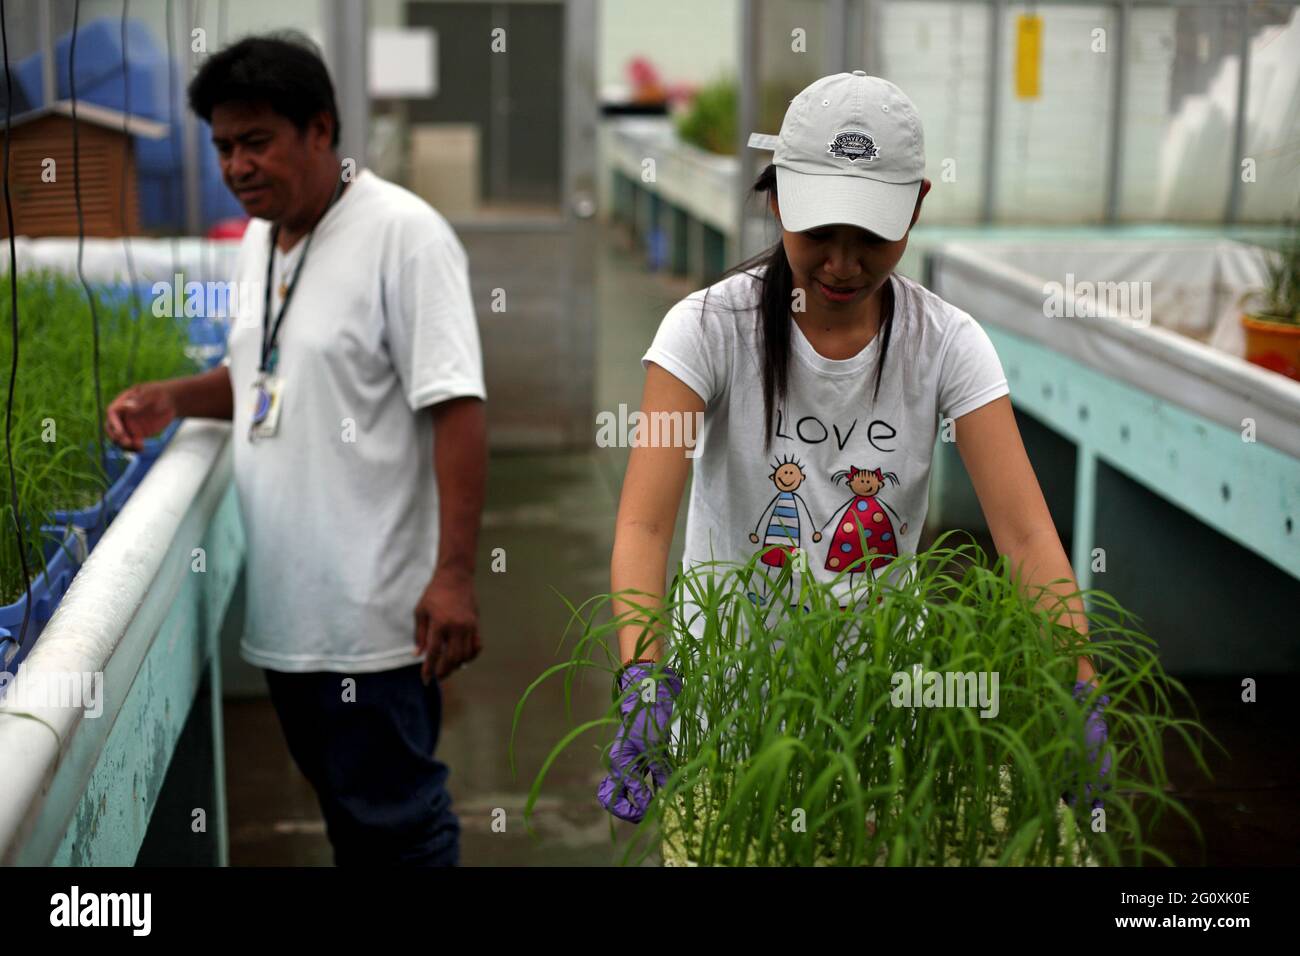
x=121 y=693
x=1170 y=462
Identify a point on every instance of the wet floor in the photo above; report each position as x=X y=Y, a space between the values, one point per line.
x=553 y=515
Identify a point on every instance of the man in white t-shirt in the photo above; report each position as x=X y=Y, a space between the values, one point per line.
x=354 y=382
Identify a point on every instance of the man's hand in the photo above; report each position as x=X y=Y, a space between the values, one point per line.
x=446 y=624
x=138 y=412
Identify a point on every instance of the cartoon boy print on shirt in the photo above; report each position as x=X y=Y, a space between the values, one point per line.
x=780 y=523
x=863 y=519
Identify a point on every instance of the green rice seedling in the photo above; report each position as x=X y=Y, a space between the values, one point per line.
x=36 y=498
x=54 y=421
x=797 y=740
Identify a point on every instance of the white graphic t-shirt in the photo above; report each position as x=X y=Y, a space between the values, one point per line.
x=844 y=472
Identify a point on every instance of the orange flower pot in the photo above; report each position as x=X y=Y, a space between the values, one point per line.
x=1273 y=345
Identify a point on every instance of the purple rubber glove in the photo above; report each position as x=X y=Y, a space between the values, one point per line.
x=624 y=791
x=1094 y=736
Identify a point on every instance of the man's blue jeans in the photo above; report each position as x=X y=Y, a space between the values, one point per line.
x=369 y=753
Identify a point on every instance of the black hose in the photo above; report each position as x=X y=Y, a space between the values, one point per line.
x=126 y=239
x=81 y=243
x=13 y=369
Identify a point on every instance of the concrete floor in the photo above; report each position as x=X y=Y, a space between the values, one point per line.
x=557 y=528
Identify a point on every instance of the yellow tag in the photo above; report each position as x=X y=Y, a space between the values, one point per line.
x=1029 y=55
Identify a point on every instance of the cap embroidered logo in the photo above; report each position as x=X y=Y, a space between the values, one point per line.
x=853 y=144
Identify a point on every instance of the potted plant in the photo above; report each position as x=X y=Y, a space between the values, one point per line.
x=792 y=745
x=1273 y=327
x=709 y=122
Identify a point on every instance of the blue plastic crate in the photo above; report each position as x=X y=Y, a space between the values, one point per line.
x=207 y=333
x=126 y=470
x=65 y=552
x=153 y=447
x=207 y=342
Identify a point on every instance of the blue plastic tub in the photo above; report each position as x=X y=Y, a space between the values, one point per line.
x=126 y=470
x=207 y=332
x=207 y=342
x=80 y=530
x=65 y=552
x=99 y=81
x=153 y=447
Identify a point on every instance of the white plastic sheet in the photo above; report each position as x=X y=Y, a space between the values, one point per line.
x=154 y=259
x=1190 y=290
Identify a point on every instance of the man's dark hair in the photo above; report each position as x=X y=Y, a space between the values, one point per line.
x=283 y=70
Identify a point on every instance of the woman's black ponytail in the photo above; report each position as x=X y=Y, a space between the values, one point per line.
x=776 y=294
x=775 y=297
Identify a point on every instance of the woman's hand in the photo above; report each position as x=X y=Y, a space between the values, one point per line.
x=1095 y=736
x=640 y=744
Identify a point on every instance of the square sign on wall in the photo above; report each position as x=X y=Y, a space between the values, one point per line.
x=403 y=62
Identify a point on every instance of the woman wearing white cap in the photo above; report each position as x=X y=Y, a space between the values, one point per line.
x=818 y=349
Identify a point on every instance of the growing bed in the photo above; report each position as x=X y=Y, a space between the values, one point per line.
x=52 y=309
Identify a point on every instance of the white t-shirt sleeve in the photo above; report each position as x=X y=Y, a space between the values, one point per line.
x=970 y=374
x=432 y=331
x=687 y=347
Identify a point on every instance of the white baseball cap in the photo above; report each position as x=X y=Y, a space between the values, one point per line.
x=851 y=150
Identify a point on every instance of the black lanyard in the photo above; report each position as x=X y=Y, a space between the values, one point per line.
x=268 y=342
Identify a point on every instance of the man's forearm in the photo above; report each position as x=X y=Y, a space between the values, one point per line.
x=1041 y=560
x=460 y=464
x=208 y=395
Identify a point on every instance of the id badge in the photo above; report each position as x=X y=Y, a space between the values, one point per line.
x=267 y=392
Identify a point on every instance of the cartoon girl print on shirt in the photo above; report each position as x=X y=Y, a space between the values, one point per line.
x=780 y=524
x=864 y=519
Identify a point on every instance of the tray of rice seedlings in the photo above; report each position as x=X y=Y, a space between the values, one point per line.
x=56 y=390
x=35 y=498
x=44 y=474
x=60 y=475
x=935 y=721
x=60 y=553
